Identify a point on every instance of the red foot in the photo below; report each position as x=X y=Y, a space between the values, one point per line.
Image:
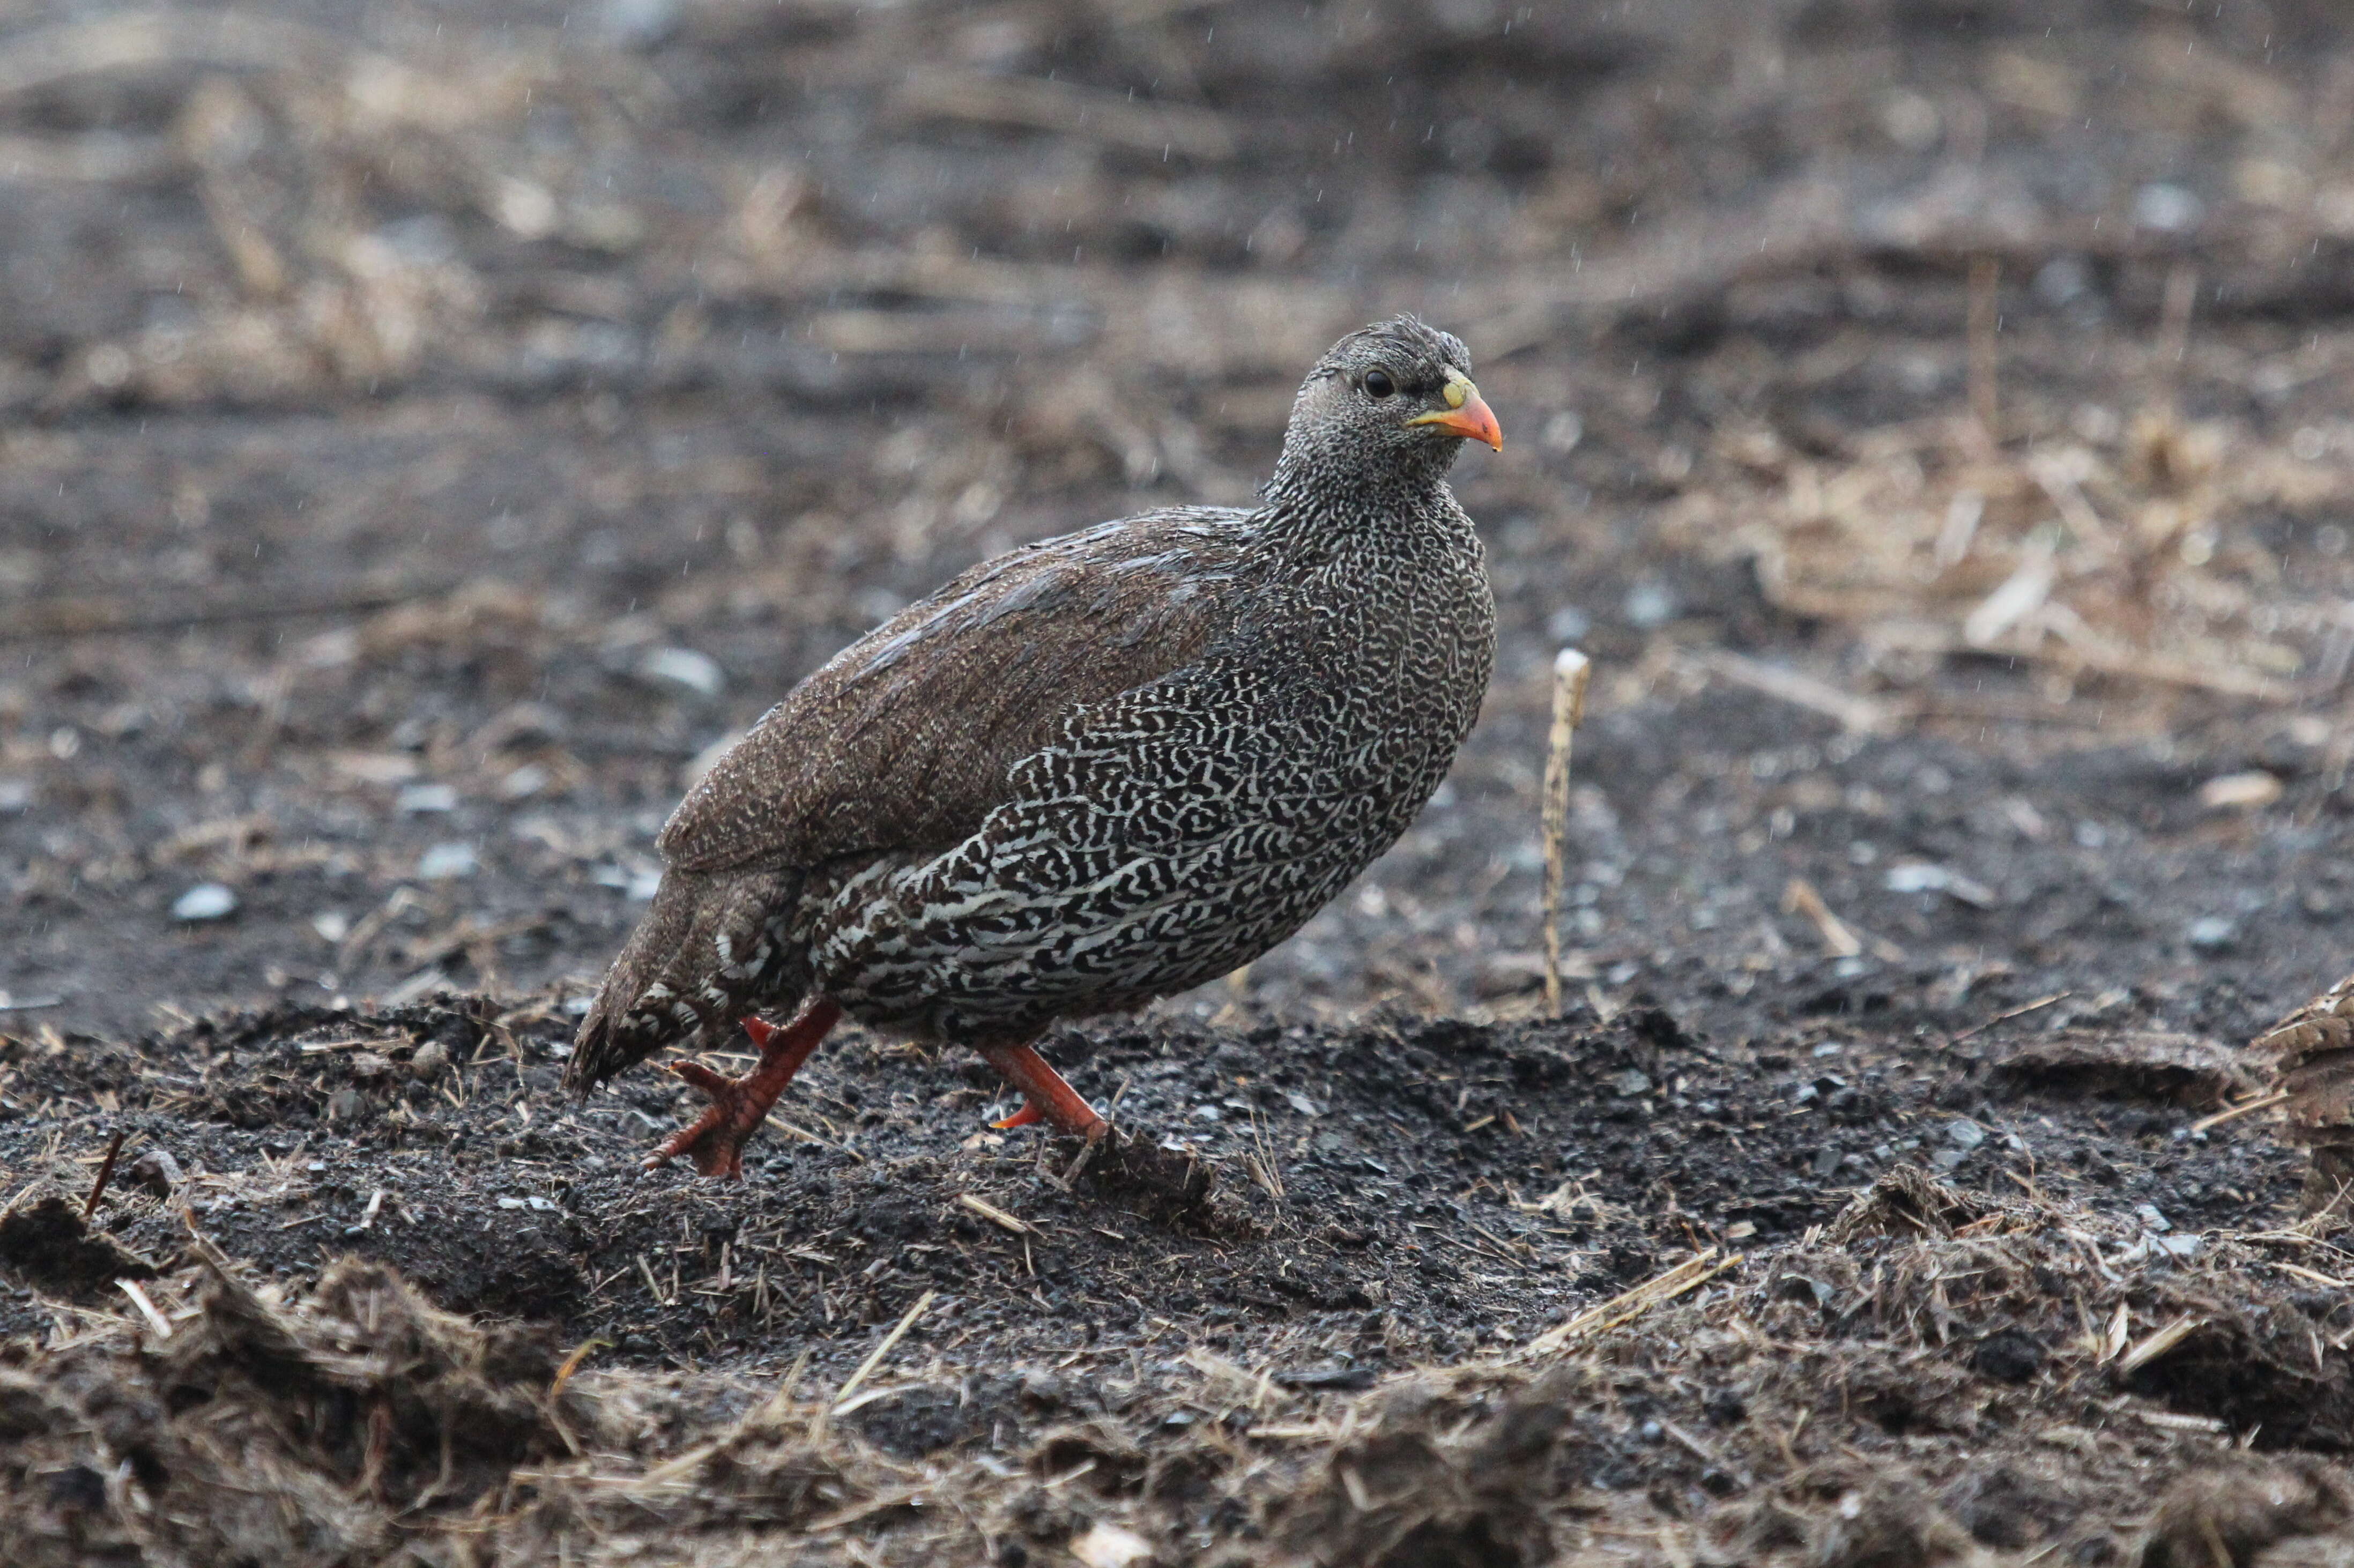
x=1028 y=1115
x=1049 y=1098
x=739 y=1105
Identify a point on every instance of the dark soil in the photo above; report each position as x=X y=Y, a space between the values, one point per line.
x=389 y=596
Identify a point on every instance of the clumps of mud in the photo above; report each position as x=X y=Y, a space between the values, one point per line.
x=45 y=1241
x=260 y=1431
x=1419 y=1292
x=1934 y=1377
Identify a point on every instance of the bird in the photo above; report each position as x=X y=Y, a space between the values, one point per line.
x=1093 y=771
x=2312 y=1054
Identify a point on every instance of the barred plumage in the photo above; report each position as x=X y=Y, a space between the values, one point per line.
x=1099 y=769
x=2312 y=1053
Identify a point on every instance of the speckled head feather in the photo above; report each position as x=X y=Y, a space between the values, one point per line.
x=1352 y=424
x=1101 y=768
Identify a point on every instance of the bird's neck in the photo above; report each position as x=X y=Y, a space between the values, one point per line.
x=1355 y=495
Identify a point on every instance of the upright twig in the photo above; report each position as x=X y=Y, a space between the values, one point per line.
x=105 y=1171
x=1985 y=320
x=1571 y=670
x=2173 y=330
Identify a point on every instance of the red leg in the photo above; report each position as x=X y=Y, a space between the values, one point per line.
x=1049 y=1098
x=739 y=1105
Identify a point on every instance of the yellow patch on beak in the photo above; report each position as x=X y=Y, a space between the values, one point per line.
x=1467 y=413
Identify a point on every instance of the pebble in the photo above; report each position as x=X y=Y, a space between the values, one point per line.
x=443 y=861
x=1923 y=876
x=638 y=24
x=1629 y=1084
x=2169 y=208
x=2213 y=931
x=429 y=1060
x=2149 y=1216
x=1649 y=604
x=1963 y=1133
x=204 y=901
x=421 y=798
x=157 y=1171
x=2243 y=791
x=524 y=783
x=698 y=672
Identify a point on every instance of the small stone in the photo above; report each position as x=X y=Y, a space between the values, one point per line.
x=2211 y=932
x=698 y=672
x=1302 y=1104
x=367 y=1067
x=429 y=1062
x=423 y=798
x=637 y=24
x=157 y=1171
x=2169 y=208
x=204 y=901
x=445 y=861
x=343 y=1105
x=1111 y=1546
x=2248 y=791
x=1629 y=1084
x=1650 y=604
x=1963 y=1133
x=2151 y=1218
x=524 y=783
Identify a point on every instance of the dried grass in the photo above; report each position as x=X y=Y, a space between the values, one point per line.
x=2129 y=560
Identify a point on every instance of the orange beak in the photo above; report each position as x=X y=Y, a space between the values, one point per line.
x=1469 y=417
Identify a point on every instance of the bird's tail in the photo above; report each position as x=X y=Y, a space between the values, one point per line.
x=713 y=946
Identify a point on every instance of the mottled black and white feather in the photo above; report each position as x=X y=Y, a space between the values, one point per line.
x=1095 y=771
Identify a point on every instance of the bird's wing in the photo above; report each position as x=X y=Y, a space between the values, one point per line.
x=904 y=740
x=2313 y=1055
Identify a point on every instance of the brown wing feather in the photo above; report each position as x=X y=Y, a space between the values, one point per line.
x=2313 y=1055
x=903 y=741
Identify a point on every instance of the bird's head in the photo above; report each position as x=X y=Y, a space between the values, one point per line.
x=1393 y=397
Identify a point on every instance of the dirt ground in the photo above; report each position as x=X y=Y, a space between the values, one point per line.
x=426 y=431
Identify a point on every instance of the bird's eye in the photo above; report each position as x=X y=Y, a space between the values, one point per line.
x=1378 y=383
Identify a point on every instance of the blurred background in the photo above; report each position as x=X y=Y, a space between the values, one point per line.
x=425 y=430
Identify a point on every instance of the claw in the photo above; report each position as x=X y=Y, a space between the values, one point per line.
x=714 y=1140
x=1028 y=1114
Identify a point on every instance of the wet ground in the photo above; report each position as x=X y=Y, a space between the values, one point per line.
x=421 y=440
